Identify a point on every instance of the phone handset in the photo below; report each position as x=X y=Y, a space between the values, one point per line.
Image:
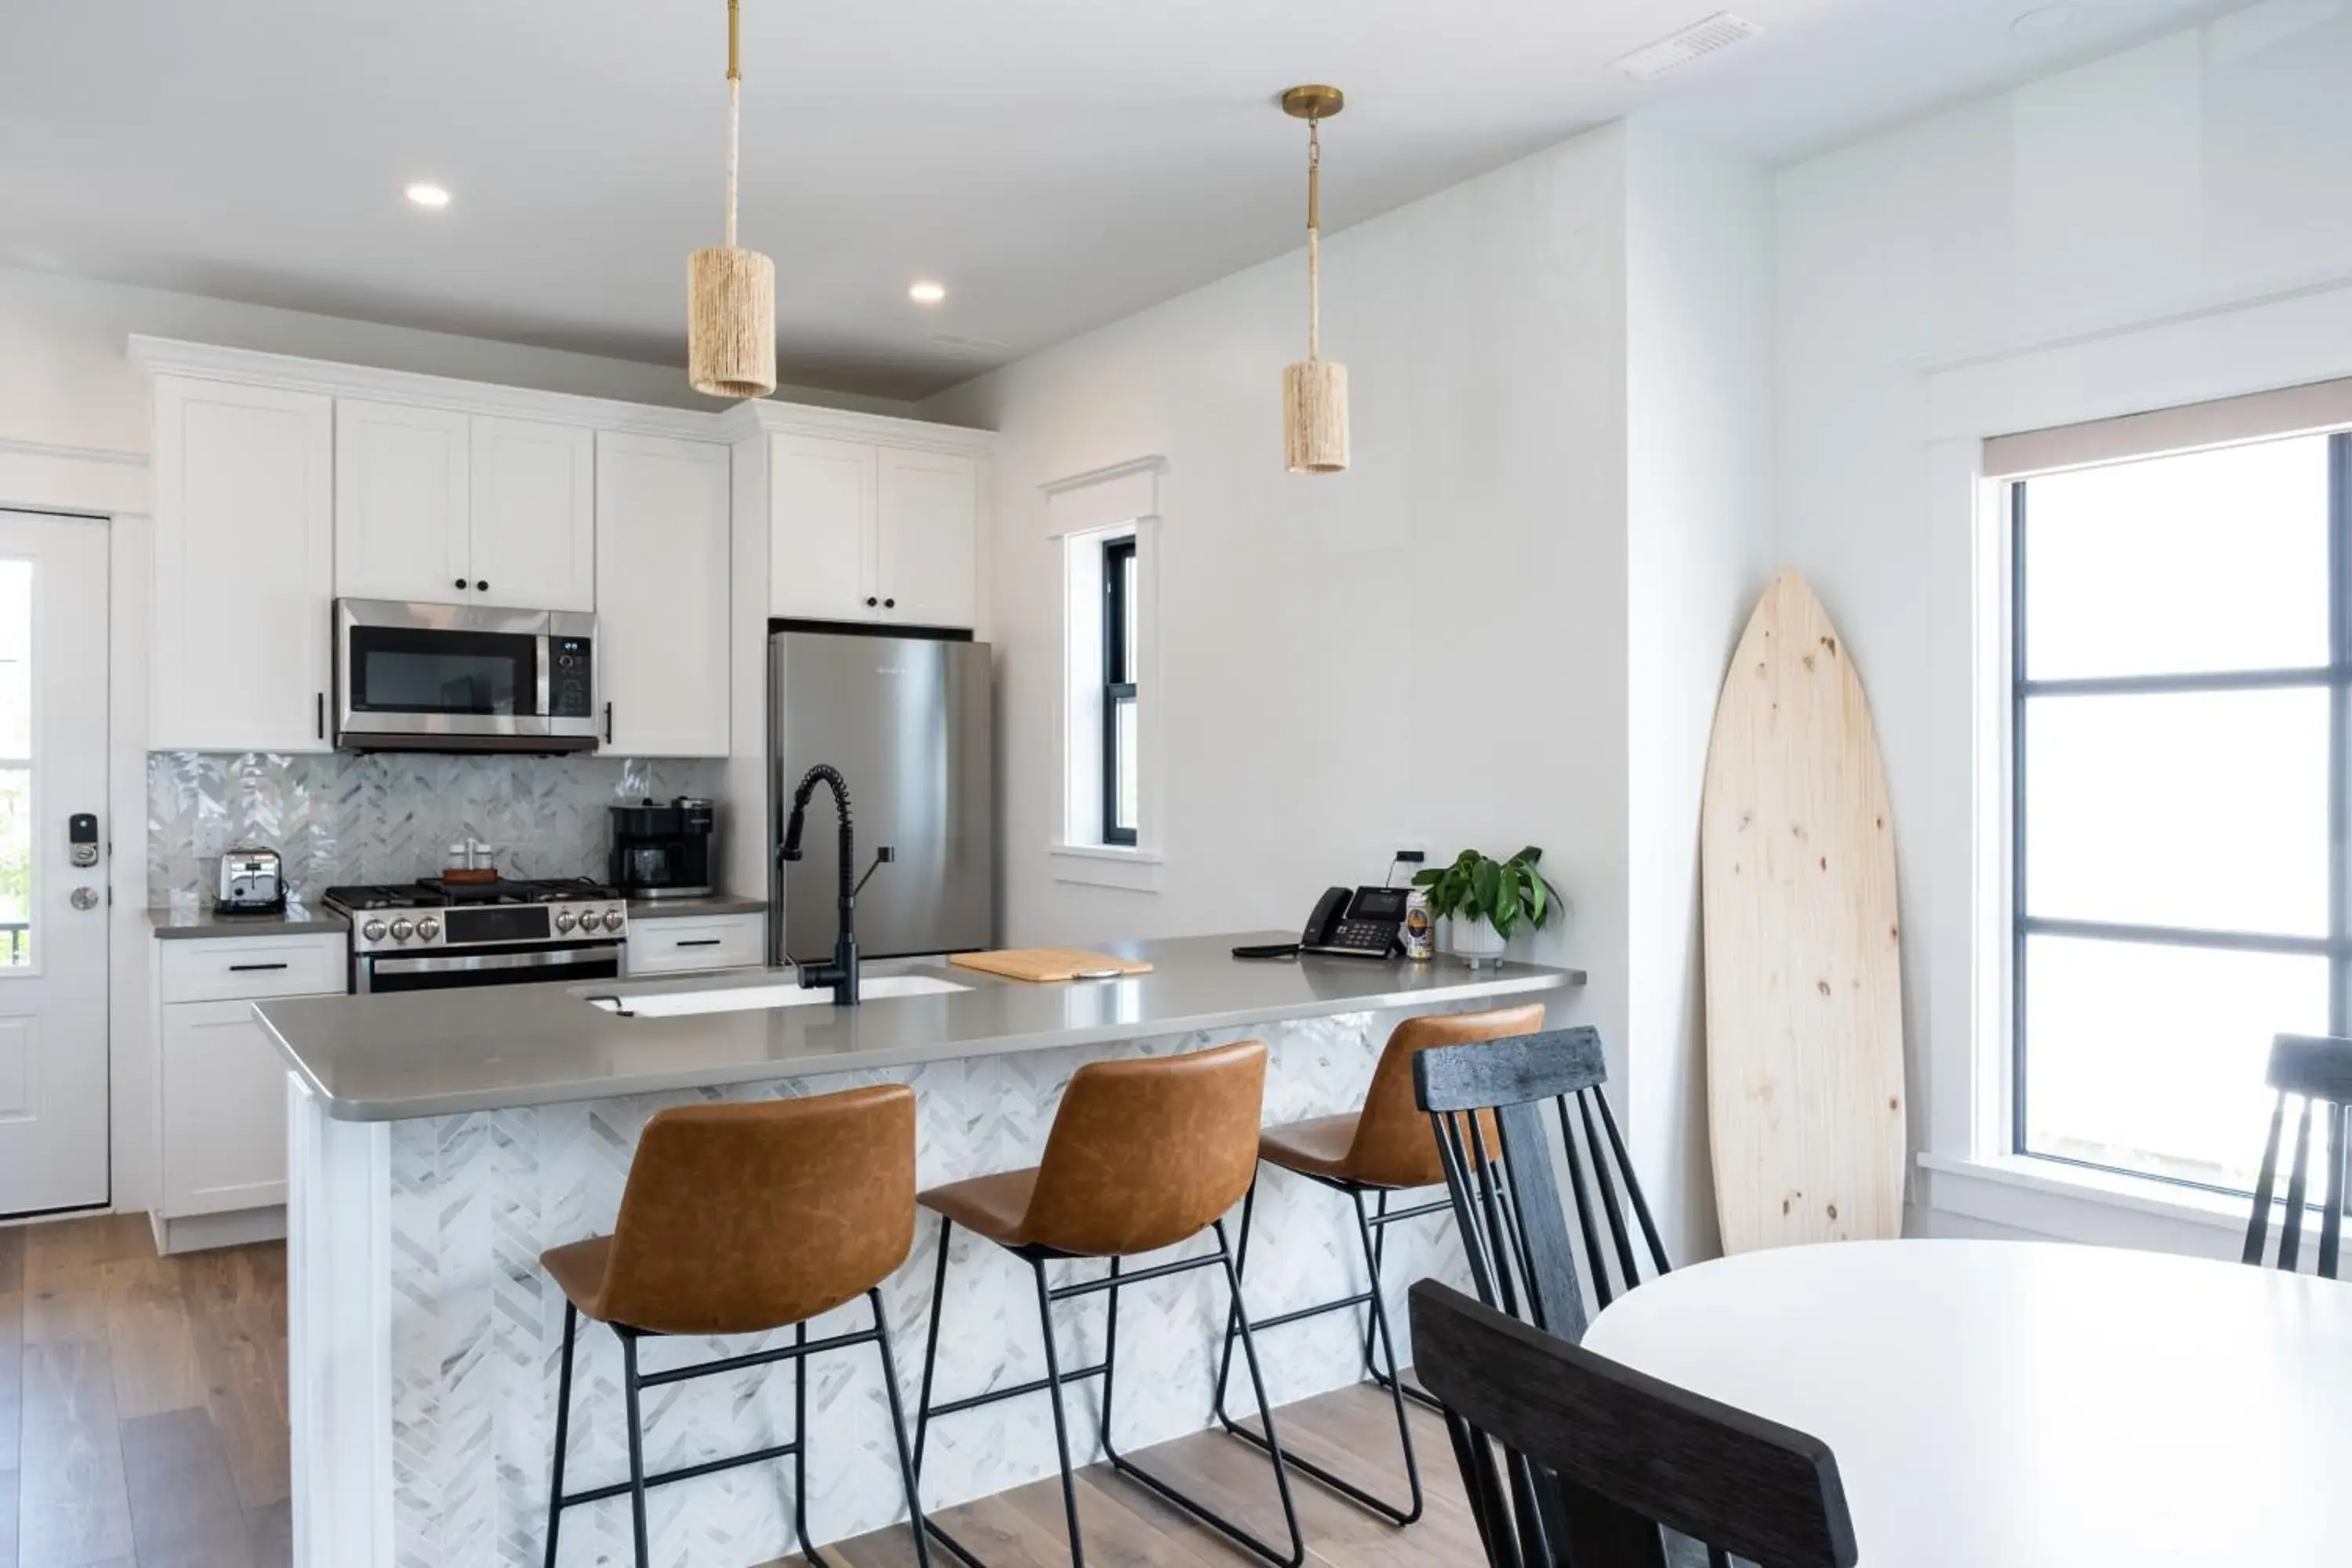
x=1324 y=923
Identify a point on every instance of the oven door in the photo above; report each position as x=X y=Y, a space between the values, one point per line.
x=454 y=677
x=378 y=973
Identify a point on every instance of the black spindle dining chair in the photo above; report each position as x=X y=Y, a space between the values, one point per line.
x=1486 y=1101
x=2315 y=1070
x=1599 y=1457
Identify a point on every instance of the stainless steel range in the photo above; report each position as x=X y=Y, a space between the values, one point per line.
x=430 y=934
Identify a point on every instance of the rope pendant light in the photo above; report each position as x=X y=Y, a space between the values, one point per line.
x=1314 y=389
x=730 y=324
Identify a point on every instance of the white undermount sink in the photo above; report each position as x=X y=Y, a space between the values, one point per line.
x=752 y=998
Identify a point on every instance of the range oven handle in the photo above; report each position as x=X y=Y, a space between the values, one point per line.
x=476 y=962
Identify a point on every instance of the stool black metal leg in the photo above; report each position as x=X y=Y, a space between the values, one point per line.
x=1061 y=1424
x=1394 y=1382
x=1225 y=1357
x=1111 y=1354
x=1272 y=1443
x=563 y=1430
x=1380 y=1248
x=800 y=1448
x=636 y=1446
x=931 y=1345
x=899 y=1432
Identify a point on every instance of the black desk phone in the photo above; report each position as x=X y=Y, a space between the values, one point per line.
x=1362 y=924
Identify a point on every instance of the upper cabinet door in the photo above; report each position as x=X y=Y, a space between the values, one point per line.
x=402 y=499
x=534 y=512
x=821 y=554
x=244 y=575
x=929 y=551
x=662 y=541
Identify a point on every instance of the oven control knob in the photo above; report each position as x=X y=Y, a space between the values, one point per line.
x=373 y=931
x=564 y=921
x=401 y=930
x=613 y=919
x=429 y=928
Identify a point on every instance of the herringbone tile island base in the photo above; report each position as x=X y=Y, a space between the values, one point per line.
x=143 y=1424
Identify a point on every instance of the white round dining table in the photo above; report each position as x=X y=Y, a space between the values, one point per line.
x=2027 y=1404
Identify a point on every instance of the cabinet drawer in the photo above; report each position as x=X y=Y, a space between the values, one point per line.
x=717 y=942
x=251 y=968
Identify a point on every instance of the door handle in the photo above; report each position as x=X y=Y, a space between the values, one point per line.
x=608 y=723
x=700 y=941
x=322 y=715
x=83 y=897
x=248 y=968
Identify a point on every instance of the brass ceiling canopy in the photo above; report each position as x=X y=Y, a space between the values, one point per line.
x=1314 y=389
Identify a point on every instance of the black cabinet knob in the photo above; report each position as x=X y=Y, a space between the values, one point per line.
x=869 y=604
x=481 y=587
x=889 y=603
x=458 y=584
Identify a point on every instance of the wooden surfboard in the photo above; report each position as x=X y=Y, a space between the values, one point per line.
x=1803 y=954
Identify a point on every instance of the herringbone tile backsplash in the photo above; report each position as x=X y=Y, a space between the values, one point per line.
x=384 y=817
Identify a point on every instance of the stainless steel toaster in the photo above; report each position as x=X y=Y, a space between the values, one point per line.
x=252 y=881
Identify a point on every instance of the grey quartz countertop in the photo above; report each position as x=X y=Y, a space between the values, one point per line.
x=682 y=909
x=182 y=922
x=440 y=1053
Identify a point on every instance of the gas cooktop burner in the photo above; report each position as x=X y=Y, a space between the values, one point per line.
x=432 y=893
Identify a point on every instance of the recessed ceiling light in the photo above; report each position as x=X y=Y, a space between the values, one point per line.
x=2049 y=19
x=428 y=195
x=927 y=292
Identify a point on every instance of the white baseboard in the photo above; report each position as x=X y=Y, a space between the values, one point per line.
x=195 y=1233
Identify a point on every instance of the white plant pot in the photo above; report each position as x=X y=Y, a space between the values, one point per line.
x=1474 y=942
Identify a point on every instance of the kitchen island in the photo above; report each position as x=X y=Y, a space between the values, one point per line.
x=440 y=1140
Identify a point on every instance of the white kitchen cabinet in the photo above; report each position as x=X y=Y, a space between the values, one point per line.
x=534 y=514
x=403 y=503
x=662 y=604
x=869 y=532
x=221 y=1106
x=443 y=508
x=822 y=559
x=926 y=549
x=244 y=576
x=685 y=943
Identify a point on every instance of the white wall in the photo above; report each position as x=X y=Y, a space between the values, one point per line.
x=1429 y=647
x=1698 y=269
x=2154 y=200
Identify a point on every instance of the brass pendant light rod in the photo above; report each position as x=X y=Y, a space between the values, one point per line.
x=1315 y=392
x=734 y=108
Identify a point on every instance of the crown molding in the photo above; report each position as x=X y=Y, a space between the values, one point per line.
x=337 y=379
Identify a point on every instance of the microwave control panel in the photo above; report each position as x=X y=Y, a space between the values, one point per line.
x=571 y=683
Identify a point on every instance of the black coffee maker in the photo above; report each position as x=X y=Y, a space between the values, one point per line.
x=663 y=851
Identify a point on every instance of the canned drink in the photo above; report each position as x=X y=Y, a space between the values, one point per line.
x=1420 y=930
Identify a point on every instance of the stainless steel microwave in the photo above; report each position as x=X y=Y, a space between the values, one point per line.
x=461 y=677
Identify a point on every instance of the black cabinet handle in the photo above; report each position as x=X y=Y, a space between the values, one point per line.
x=700 y=941
x=322 y=715
x=608 y=723
x=869 y=604
x=458 y=584
x=481 y=587
x=246 y=968
x=889 y=603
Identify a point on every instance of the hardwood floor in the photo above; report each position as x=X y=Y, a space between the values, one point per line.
x=143 y=1424
x=142 y=1401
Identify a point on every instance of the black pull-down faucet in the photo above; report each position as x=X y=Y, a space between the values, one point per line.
x=842 y=972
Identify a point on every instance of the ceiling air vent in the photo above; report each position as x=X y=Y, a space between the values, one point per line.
x=1719 y=31
x=963 y=345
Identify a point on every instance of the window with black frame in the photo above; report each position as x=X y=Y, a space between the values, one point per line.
x=2182 y=703
x=1118 y=711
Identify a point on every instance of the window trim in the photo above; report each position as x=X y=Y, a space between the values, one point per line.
x=1118 y=682
x=2335 y=677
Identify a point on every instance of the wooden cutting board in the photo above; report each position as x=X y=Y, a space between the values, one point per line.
x=1804 y=985
x=1045 y=965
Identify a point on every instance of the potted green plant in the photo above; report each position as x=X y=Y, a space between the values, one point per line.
x=1483 y=900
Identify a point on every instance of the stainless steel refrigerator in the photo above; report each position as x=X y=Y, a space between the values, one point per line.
x=907 y=721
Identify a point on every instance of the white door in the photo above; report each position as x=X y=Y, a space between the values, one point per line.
x=820 y=551
x=53 y=918
x=928 y=538
x=404 y=500
x=662 y=613
x=534 y=515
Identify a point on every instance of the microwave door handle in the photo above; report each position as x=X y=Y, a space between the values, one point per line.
x=541 y=644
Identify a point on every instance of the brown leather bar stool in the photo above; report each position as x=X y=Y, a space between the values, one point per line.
x=738 y=1219
x=1144 y=1154
x=1386 y=1147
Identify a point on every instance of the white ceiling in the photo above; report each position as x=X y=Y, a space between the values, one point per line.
x=1057 y=163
